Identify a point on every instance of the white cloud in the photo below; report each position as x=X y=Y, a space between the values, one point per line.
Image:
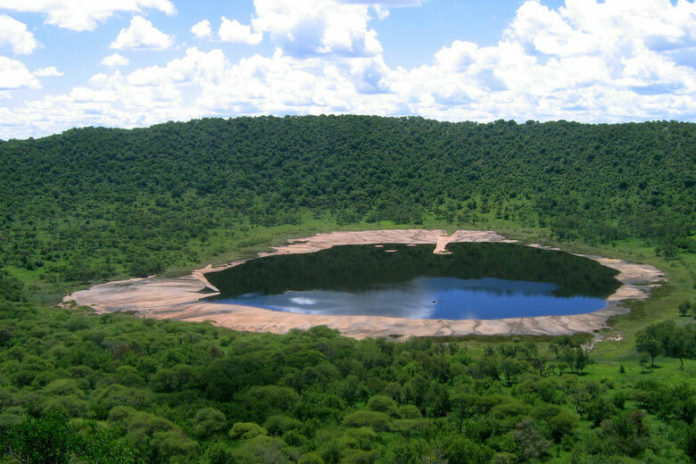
x=233 y=31
x=114 y=61
x=457 y=57
x=381 y=7
x=385 y=3
x=547 y=32
x=588 y=61
x=317 y=27
x=380 y=11
x=49 y=71
x=141 y=34
x=15 y=75
x=202 y=29
x=84 y=15
x=16 y=35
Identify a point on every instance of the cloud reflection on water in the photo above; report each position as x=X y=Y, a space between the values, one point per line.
x=431 y=298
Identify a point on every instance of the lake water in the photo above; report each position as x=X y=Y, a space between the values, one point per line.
x=475 y=281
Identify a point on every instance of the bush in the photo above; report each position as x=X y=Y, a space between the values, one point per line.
x=246 y=431
x=382 y=403
x=379 y=421
x=409 y=412
x=311 y=458
x=411 y=427
x=262 y=449
x=684 y=308
x=208 y=421
x=218 y=453
x=562 y=424
x=279 y=424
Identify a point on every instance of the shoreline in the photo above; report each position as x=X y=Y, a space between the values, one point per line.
x=180 y=298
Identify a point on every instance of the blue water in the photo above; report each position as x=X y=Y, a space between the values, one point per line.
x=430 y=298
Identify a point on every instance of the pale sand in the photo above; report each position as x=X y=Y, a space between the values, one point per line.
x=181 y=298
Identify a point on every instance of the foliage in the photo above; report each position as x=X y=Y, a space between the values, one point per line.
x=92 y=203
x=677 y=341
x=366 y=401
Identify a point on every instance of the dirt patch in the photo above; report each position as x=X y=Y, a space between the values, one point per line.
x=181 y=298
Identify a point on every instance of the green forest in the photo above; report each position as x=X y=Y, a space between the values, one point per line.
x=97 y=204
x=93 y=203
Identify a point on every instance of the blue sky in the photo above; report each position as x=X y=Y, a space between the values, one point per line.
x=133 y=63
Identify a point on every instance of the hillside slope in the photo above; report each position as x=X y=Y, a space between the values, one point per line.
x=92 y=202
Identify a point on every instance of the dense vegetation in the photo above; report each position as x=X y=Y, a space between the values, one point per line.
x=91 y=203
x=668 y=338
x=77 y=387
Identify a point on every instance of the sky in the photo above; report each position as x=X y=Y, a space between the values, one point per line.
x=134 y=63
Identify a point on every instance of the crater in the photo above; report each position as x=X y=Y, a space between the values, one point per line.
x=466 y=281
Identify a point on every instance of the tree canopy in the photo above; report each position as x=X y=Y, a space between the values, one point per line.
x=112 y=388
x=90 y=203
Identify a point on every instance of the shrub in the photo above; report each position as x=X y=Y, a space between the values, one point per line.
x=246 y=431
x=382 y=403
x=279 y=424
x=208 y=421
x=379 y=421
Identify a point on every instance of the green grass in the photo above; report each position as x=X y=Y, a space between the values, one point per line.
x=666 y=370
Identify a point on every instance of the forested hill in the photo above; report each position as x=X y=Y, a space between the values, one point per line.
x=79 y=196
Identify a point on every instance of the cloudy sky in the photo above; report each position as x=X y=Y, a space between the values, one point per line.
x=130 y=63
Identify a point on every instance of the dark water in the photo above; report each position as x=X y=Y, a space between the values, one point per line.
x=476 y=281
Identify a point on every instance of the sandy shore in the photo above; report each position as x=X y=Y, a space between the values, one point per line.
x=181 y=298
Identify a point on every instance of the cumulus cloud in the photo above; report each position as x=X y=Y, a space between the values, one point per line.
x=588 y=61
x=545 y=31
x=254 y=85
x=233 y=31
x=317 y=27
x=591 y=61
x=202 y=29
x=49 y=71
x=195 y=67
x=84 y=15
x=279 y=83
x=141 y=34
x=114 y=61
x=15 y=34
x=15 y=75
